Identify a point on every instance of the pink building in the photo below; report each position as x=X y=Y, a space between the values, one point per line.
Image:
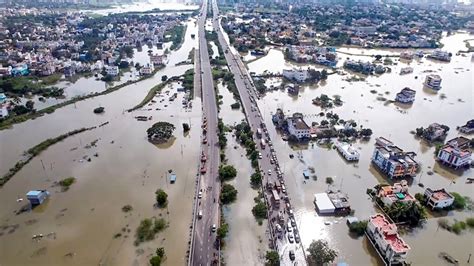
x=385 y=238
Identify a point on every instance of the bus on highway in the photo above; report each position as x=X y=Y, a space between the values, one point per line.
x=276 y=197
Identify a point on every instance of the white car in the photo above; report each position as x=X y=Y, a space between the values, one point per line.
x=200 y=194
x=289 y=228
x=260 y=156
x=269 y=172
x=213 y=228
x=278 y=227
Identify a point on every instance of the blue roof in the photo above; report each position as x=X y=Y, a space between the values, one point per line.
x=3 y=96
x=305 y=173
x=34 y=193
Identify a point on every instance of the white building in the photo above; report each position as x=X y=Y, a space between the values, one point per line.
x=347 y=151
x=438 y=199
x=298 y=127
x=433 y=82
x=297 y=75
x=441 y=55
x=323 y=203
x=406 y=95
x=385 y=238
x=112 y=70
x=147 y=69
x=156 y=59
x=455 y=153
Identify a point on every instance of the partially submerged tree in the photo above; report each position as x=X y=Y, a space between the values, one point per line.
x=160 y=132
x=320 y=253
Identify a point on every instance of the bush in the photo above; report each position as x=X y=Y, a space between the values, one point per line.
x=222 y=231
x=161 y=197
x=459 y=201
x=228 y=194
x=156 y=260
x=470 y=222
x=329 y=180
x=67 y=182
x=148 y=228
x=272 y=258
x=358 y=228
x=127 y=208
x=99 y=110
x=227 y=172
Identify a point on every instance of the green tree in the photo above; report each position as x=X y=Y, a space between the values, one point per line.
x=272 y=258
x=227 y=172
x=228 y=194
x=222 y=231
x=160 y=131
x=161 y=197
x=320 y=253
x=164 y=78
x=256 y=179
x=260 y=210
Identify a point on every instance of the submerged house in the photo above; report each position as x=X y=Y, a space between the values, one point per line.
x=438 y=199
x=455 y=153
x=406 y=95
x=433 y=82
x=297 y=126
x=385 y=238
x=393 y=161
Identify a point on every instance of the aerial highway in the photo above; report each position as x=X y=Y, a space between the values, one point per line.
x=204 y=245
x=283 y=240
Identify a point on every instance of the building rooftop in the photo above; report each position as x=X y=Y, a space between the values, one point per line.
x=390 y=234
x=440 y=194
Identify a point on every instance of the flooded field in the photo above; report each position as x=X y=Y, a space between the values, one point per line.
x=452 y=105
x=81 y=226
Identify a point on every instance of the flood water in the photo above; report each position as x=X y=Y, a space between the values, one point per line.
x=452 y=105
x=128 y=170
x=145 y=6
x=247 y=242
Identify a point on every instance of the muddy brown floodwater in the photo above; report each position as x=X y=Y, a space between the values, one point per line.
x=247 y=242
x=452 y=105
x=79 y=225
